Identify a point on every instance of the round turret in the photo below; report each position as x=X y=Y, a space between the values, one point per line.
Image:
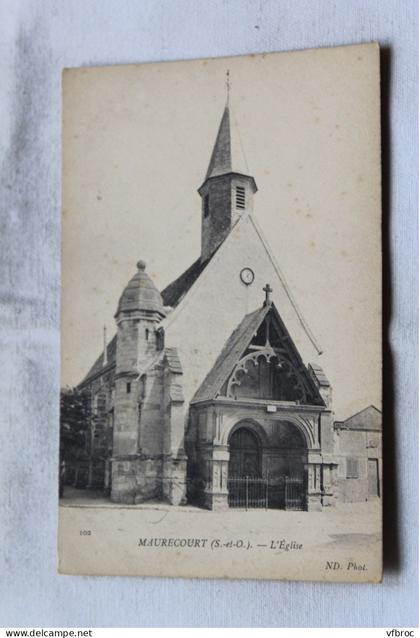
x=141 y=294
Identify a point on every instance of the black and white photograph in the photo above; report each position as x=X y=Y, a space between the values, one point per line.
x=221 y=406
x=209 y=311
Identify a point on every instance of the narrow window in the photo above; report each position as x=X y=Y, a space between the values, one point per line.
x=352 y=468
x=160 y=339
x=240 y=197
x=128 y=388
x=206 y=205
x=147 y=334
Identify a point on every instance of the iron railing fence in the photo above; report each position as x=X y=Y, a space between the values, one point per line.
x=248 y=492
x=286 y=492
x=294 y=493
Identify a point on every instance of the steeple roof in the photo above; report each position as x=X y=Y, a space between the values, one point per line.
x=227 y=155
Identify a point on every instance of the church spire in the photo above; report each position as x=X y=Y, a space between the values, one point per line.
x=221 y=157
x=228 y=189
x=228 y=155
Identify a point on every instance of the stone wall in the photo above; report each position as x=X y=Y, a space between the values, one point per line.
x=222 y=210
x=149 y=461
x=151 y=430
x=217 y=224
x=136 y=479
x=175 y=461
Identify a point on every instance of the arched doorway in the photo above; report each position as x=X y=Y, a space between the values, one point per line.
x=245 y=454
x=286 y=467
x=246 y=487
x=272 y=475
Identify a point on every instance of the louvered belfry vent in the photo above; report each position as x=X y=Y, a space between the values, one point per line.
x=240 y=197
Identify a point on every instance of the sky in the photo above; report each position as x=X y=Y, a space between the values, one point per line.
x=137 y=140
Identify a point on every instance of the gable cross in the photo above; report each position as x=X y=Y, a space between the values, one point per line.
x=268 y=290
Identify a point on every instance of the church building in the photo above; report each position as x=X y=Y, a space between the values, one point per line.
x=208 y=394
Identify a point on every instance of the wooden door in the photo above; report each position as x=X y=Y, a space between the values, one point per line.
x=244 y=454
x=373 y=478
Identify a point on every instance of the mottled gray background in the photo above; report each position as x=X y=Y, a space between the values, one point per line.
x=38 y=39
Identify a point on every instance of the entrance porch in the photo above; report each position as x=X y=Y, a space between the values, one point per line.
x=251 y=454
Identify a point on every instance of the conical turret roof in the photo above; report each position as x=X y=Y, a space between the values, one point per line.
x=141 y=294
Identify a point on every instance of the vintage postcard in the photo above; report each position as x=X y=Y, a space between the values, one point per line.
x=221 y=318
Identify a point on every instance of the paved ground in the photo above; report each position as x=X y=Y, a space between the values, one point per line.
x=73 y=497
x=100 y=537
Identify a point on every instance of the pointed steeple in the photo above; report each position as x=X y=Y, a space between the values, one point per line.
x=221 y=157
x=227 y=156
x=228 y=189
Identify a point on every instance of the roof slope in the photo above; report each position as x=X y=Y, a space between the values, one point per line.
x=369 y=418
x=177 y=289
x=173 y=361
x=98 y=366
x=319 y=375
x=228 y=154
x=234 y=349
x=221 y=158
x=230 y=354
